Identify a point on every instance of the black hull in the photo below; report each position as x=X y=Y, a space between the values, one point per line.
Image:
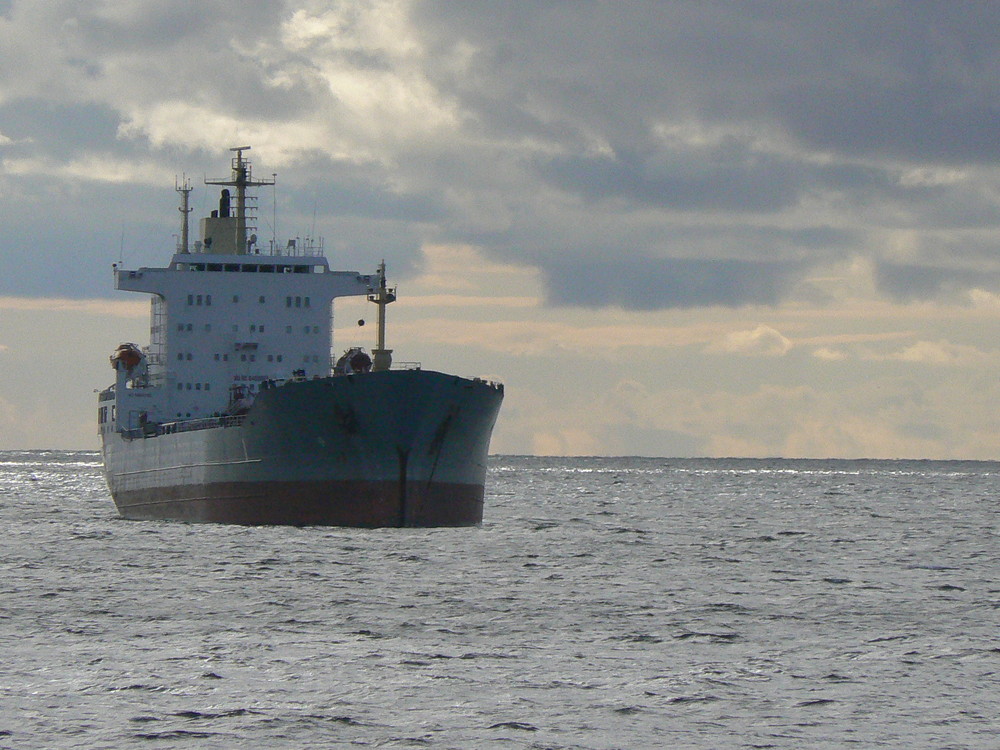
x=331 y=503
x=397 y=449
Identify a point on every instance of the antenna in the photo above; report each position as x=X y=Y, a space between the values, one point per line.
x=312 y=229
x=184 y=188
x=241 y=179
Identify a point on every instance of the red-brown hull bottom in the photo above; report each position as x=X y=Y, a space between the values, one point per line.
x=320 y=503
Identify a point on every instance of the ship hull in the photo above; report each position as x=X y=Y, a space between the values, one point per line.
x=396 y=448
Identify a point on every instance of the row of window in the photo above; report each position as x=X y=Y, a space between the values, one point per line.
x=194 y=386
x=199 y=300
x=246 y=357
x=250 y=268
x=254 y=328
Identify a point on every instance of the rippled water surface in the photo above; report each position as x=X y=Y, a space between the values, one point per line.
x=604 y=603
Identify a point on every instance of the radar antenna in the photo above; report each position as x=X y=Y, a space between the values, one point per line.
x=241 y=179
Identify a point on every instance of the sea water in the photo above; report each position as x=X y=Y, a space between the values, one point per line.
x=603 y=603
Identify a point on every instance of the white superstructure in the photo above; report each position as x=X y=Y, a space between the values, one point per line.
x=230 y=317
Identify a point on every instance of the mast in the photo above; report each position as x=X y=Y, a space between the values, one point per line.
x=381 y=357
x=241 y=179
x=184 y=188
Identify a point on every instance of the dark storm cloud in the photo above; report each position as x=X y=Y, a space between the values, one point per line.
x=915 y=80
x=909 y=282
x=649 y=284
x=826 y=102
x=732 y=177
x=732 y=181
x=58 y=129
x=757 y=138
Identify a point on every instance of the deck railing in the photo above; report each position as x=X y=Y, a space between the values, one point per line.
x=188 y=425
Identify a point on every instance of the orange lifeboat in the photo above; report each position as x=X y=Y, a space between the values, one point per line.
x=128 y=354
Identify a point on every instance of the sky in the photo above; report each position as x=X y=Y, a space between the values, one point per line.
x=670 y=227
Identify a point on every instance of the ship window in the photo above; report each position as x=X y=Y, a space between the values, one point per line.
x=236 y=298
x=180 y=387
x=190 y=326
x=261 y=329
x=180 y=326
x=214 y=266
x=253 y=357
x=270 y=358
x=197 y=386
x=225 y=357
x=232 y=267
x=305 y=329
x=198 y=300
x=307 y=302
x=298 y=302
x=208 y=299
x=189 y=358
x=208 y=386
x=180 y=356
x=253 y=327
x=315 y=329
x=187 y=386
x=279 y=357
x=216 y=356
x=301 y=269
x=262 y=299
x=190 y=299
x=243 y=358
x=288 y=329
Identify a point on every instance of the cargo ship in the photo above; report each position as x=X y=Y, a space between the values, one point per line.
x=239 y=411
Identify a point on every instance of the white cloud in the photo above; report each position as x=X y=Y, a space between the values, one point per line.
x=829 y=355
x=134 y=309
x=944 y=353
x=760 y=341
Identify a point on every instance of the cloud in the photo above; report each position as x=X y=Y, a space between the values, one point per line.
x=651 y=283
x=943 y=353
x=106 y=308
x=909 y=282
x=546 y=136
x=760 y=341
x=829 y=355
